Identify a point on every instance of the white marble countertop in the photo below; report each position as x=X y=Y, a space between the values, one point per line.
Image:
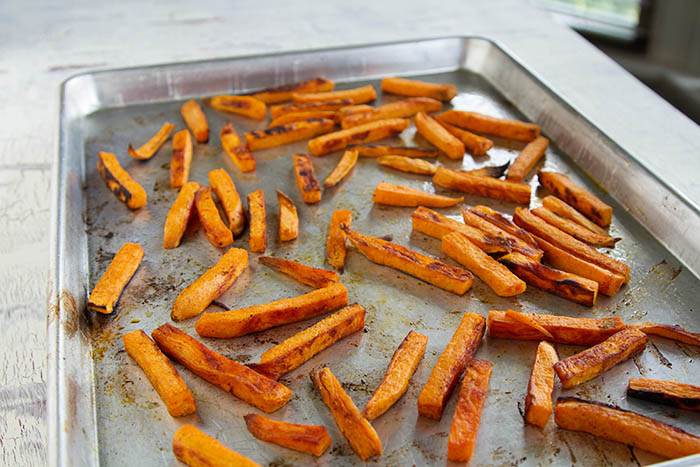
x=43 y=43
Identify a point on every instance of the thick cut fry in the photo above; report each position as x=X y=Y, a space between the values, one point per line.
x=310 y=439
x=450 y=365
x=503 y=223
x=235 y=323
x=407 y=164
x=112 y=283
x=301 y=116
x=288 y=218
x=475 y=144
x=347 y=162
x=669 y=331
x=236 y=150
x=197 y=449
x=301 y=347
x=214 y=228
x=357 y=95
x=680 y=395
x=467 y=417
x=356 y=429
x=626 y=427
x=377 y=150
x=515 y=243
x=412 y=87
x=527 y=320
x=335 y=243
x=151 y=146
x=399 y=373
x=284 y=93
x=120 y=182
x=196 y=297
x=493 y=171
x=161 y=373
x=558 y=206
x=258 y=224
x=306 y=180
x=575 y=230
x=503 y=282
x=596 y=360
x=289 y=133
x=482 y=186
x=510 y=129
x=432 y=271
x=399 y=109
x=538 y=402
x=365 y=133
x=526 y=160
x=179 y=215
x=576 y=196
x=397 y=195
x=438 y=136
x=277 y=111
x=196 y=121
x=181 y=159
x=247 y=385
x=225 y=190
x=242 y=105
x=317 y=278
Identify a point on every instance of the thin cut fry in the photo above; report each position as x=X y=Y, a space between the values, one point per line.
x=538 y=402
x=558 y=206
x=397 y=195
x=288 y=218
x=335 y=243
x=503 y=223
x=399 y=373
x=225 y=190
x=438 y=136
x=586 y=203
x=412 y=87
x=112 y=283
x=277 y=111
x=306 y=180
x=475 y=144
x=314 y=277
x=151 y=146
x=357 y=95
x=526 y=160
x=236 y=150
x=214 y=228
x=196 y=297
x=527 y=320
x=242 y=105
x=181 y=159
x=377 y=150
x=515 y=243
x=347 y=162
x=196 y=121
x=289 y=133
x=669 y=331
x=510 y=129
x=284 y=93
x=301 y=116
x=407 y=164
x=197 y=449
x=258 y=224
x=120 y=182
x=179 y=215
x=482 y=186
x=310 y=439
x=365 y=133
x=575 y=230
x=400 y=109
x=161 y=373
x=680 y=395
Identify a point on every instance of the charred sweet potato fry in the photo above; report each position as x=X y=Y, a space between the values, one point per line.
x=475 y=144
x=301 y=116
x=242 y=105
x=288 y=218
x=357 y=95
x=112 y=283
x=514 y=243
x=626 y=427
x=335 y=243
x=503 y=282
x=586 y=203
x=467 y=417
x=314 y=277
x=596 y=360
x=225 y=190
x=196 y=297
x=196 y=121
x=432 y=271
x=214 y=228
x=249 y=386
x=151 y=146
x=310 y=439
x=356 y=429
x=161 y=373
x=179 y=215
x=412 y=87
x=236 y=150
x=526 y=160
x=493 y=171
x=538 y=401
x=399 y=109
x=575 y=230
x=284 y=93
x=377 y=150
x=234 y=323
x=558 y=206
x=482 y=186
x=669 y=331
x=450 y=366
x=364 y=133
x=258 y=223
x=680 y=395
x=399 y=373
x=301 y=347
x=503 y=223
x=289 y=133
x=181 y=159
x=120 y=182
x=438 y=136
x=197 y=449
x=408 y=164
x=347 y=162
x=510 y=129
x=306 y=180
x=397 y=195
x=277 y=111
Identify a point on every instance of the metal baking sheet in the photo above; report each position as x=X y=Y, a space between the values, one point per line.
x=103 y=410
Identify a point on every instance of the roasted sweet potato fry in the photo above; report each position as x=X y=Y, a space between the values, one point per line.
x=197 y=449
x=586 y=203
x=179 y=215
x=408 y=164
x=626 y=427
x=438 y=136
x=510 y=129
x=397 y=195
x=196 y=120
x=181 y=159
x=475 y=144
x=482 y=186
x=335 y=243
x=306 y=180
x=214 y=228
x=161 y=373
x=289 y=133
x=284 y=93
x=503 y=223
x=196 y=297
x=527 y=320
x=377 y=150
x=467 y=417
x=493 y=171
x=112 y=283
x=558 y=206
x=310 y=439
x=314 y=277
x=236 y=150
x=301 y=347
x=538 y=402
x=301 y=116
x=575 y=230
x=242 y=105
x=669 y=331
x=412 y=87
x=249 y=386
x=680 y=395
x=526 y=160
x=596 y=360
x=258 y=224
x=399 y=109
x=151 y=146
x=277 y=111
x=357 y=95
x=514 y=243
x=288 y=218
x=432 y=271
x=354 y=110
x=450 y=365
x=365 y=133
x=503 y=282
x=399 y=373
x=234 y=323
x=120 y=182
x=225 y=190
x=356 y=429
x=347 y=162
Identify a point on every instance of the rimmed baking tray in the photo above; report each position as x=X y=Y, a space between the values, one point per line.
x=102 y=410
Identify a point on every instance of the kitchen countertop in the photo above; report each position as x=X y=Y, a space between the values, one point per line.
x=43 y=43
